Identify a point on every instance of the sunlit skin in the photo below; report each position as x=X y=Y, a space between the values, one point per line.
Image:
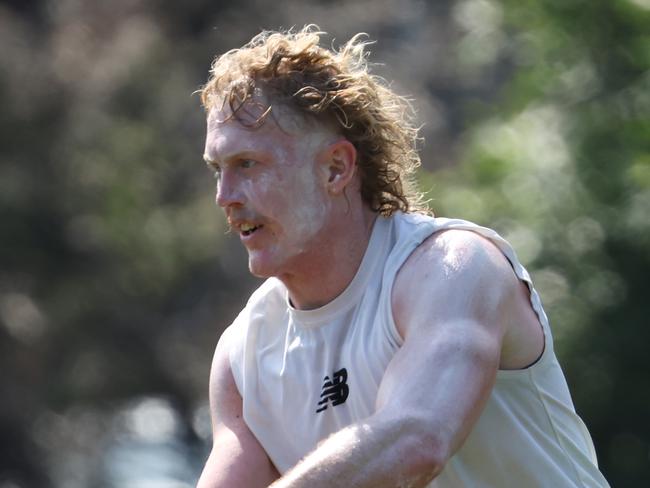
x=456 y=302
x=285 y=192
x=432 y=391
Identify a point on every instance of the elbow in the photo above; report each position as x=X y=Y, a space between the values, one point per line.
x=426 y=464
x=425 y=454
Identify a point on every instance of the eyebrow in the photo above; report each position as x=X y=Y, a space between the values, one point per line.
x=243 y=154
x=208 y=160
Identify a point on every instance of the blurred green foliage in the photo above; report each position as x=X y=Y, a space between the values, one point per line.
x=117 y=276
x=560 y=167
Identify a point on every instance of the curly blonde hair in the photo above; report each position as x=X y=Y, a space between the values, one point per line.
x=332 y=86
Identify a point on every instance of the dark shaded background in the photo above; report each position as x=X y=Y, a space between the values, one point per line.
x=117 y=277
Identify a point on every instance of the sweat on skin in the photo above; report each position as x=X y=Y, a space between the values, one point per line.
x=279 y=189
x=254 y=178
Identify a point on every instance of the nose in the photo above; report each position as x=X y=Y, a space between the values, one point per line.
x=228 y=190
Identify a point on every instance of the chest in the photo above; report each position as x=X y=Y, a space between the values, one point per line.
x=306 y=383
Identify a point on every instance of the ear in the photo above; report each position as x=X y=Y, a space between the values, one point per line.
x=341 y=164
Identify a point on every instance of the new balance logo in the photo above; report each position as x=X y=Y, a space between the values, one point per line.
x=335 y=390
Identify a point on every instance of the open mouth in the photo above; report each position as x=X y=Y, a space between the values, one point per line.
x=247 y=229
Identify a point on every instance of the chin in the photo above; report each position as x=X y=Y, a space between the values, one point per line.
x=267 y=263
x=261 y=268
x=259 y=273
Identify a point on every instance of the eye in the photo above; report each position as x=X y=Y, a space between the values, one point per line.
x=247 y=163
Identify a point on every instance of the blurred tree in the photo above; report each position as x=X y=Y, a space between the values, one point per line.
x=561 y=166
x=109 y=234
x=115 y=276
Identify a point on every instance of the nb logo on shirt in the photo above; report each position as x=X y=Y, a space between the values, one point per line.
x=335 y=390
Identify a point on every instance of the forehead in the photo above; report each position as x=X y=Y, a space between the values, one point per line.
x=227 y=135
x=278 y=133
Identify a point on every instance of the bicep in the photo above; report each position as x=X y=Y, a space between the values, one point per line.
x=452 y=328
x=237 y=458
x=442 y=380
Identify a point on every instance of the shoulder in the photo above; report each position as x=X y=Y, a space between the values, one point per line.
x=270 y=291
x=457 y=257
x=270 y=296
x=261 y=318
x=231 y=342
x=452 y=274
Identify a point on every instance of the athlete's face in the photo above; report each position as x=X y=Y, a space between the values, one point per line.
x=271 y=185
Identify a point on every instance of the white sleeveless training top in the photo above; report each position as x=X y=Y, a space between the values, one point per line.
x=304 y=375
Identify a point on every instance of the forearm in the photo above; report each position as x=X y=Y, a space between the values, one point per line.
x=228 y=466
x=373 y=454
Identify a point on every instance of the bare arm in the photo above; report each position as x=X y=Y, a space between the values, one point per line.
x=451 y=302
x=237 y=459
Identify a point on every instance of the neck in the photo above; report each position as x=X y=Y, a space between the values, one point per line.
x=330 y=268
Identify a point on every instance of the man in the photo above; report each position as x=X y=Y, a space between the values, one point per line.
x=387 y=348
